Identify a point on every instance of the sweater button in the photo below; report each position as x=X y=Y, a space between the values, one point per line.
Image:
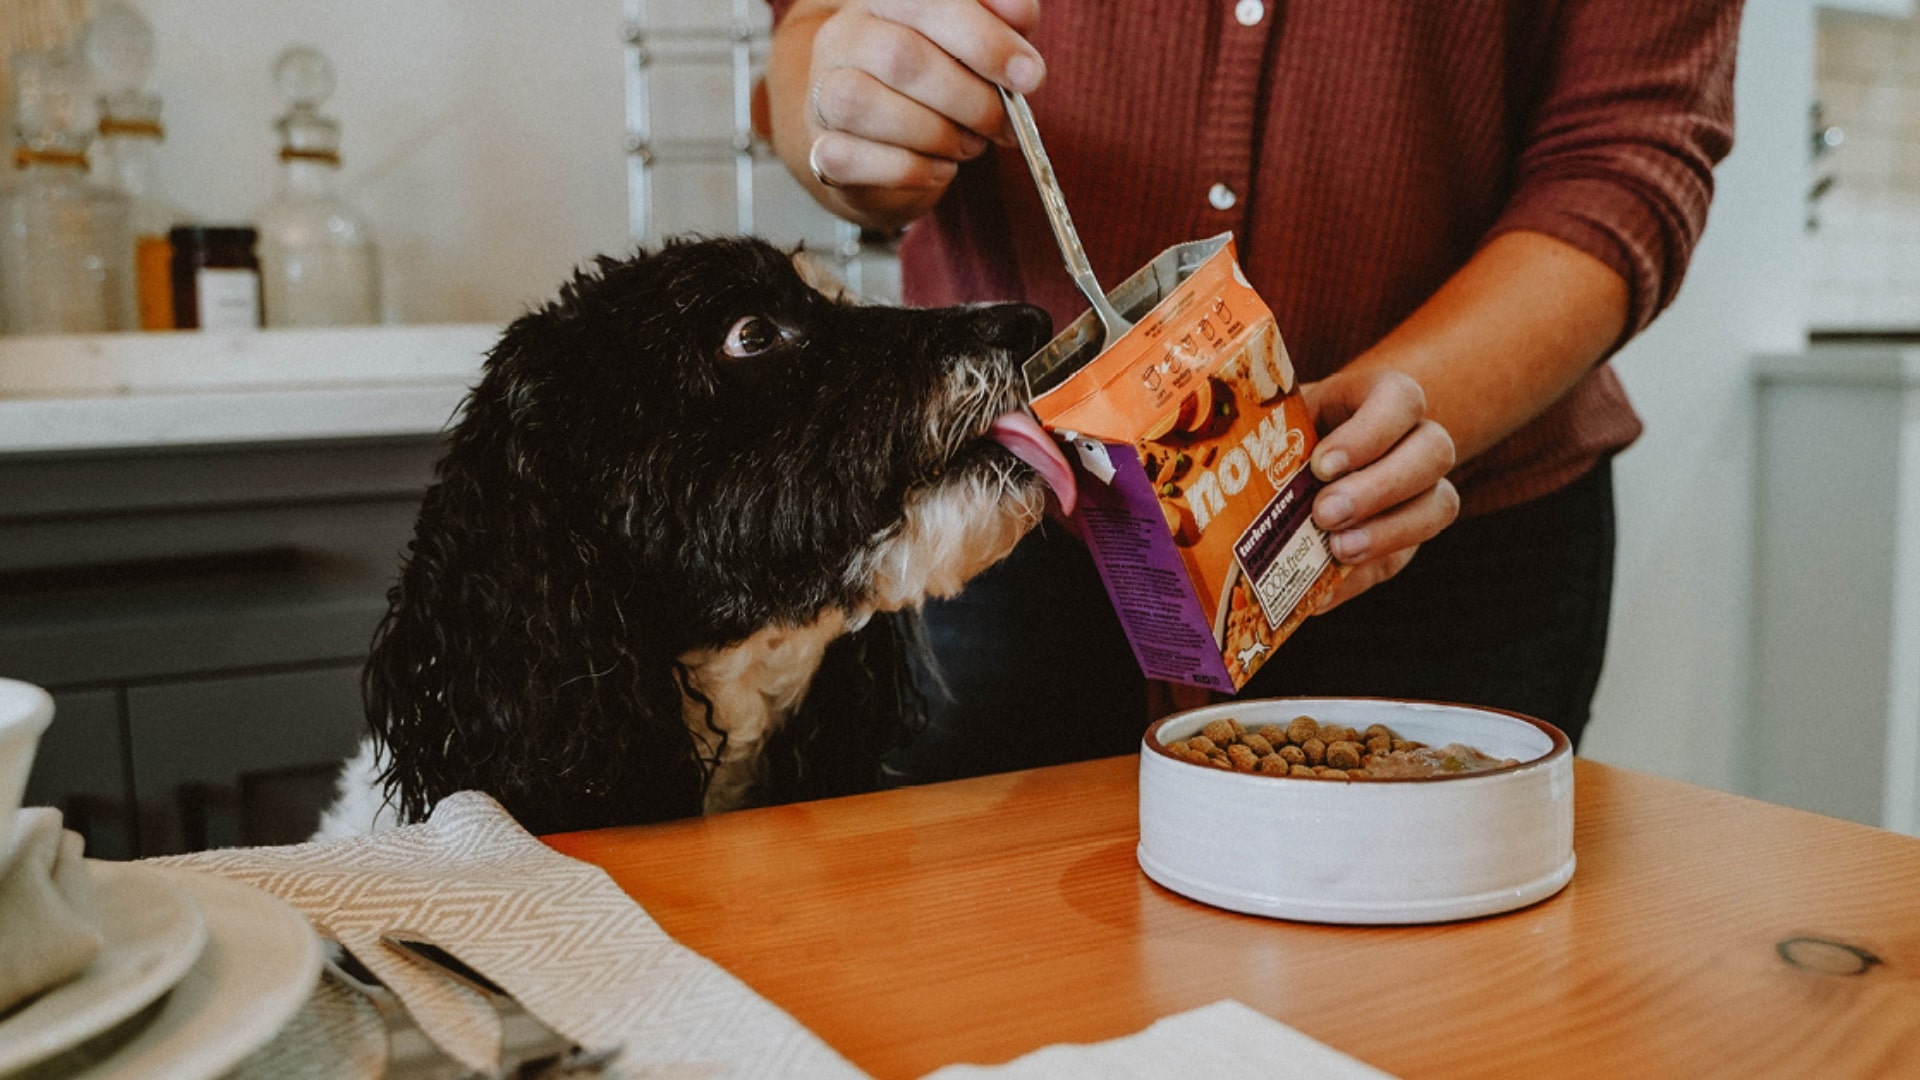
x=1222 y=196
x=1249 y=12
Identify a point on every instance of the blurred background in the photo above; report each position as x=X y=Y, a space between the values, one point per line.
x=197 y=529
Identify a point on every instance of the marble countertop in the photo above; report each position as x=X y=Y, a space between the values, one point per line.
x=79 y=393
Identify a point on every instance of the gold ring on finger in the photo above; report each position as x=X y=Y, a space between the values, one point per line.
x=813 y=163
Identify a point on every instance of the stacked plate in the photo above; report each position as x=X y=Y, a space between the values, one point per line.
x=198 y=972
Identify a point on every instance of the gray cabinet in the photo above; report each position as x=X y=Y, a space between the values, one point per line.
x=1836 y=690
x=200 y=615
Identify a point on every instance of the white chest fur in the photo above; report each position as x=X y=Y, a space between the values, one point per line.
x=752 y=687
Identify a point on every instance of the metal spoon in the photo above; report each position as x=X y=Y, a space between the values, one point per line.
x=1064 y=235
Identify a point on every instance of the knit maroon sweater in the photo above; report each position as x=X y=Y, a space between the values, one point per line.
x=1361 y=152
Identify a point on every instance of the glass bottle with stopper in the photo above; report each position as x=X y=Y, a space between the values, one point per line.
x=119 y=47
x=66 y=263
x=317 y=257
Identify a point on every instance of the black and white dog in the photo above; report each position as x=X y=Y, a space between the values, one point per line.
x=664 y=567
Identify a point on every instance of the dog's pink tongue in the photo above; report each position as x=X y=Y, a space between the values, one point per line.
x=1021 y=435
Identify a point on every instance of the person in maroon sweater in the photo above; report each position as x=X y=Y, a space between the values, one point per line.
x=1457 y=211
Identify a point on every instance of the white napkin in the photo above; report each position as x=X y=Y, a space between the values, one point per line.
x=49 y=924
x=554 y=932
x=1222 y=1041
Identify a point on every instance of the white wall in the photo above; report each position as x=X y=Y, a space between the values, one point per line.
x=483 y=138
x=1674 y=698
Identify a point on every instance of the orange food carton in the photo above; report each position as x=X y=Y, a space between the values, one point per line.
x=1190 y=444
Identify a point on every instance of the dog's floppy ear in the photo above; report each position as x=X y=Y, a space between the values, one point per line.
x=490 y=672
x=524 y=652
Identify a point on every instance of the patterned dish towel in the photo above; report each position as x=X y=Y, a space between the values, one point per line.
x=555 y=933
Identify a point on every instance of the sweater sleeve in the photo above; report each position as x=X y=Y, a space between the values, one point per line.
x=1619 y=151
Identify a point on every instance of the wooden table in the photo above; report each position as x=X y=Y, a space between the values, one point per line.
x=1703 y=934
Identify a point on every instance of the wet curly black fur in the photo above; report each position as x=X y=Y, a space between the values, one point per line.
x=687 y=446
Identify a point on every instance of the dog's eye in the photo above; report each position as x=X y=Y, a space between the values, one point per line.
x=752 y=336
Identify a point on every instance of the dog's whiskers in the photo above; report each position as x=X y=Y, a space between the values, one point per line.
x=977 y=392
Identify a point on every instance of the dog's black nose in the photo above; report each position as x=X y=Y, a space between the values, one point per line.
x=1018 y=328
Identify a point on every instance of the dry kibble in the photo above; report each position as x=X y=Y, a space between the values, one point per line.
x=1327 y=751
x=1221 y=732
x=1343 y=755
x=1315 y=750
x=1302 y=729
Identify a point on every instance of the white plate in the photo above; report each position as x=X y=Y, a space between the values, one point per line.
x=154 y=934
x=260 y=964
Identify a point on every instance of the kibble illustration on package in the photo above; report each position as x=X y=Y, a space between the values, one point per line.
x=1190 y=442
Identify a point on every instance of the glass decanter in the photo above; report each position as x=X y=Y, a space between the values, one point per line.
x=119 y=46
x=317 y=260
x=66 y=264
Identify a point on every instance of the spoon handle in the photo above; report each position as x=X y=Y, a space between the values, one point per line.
x=1055 y=203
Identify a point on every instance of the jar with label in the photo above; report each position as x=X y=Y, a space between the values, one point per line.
x=216 y=277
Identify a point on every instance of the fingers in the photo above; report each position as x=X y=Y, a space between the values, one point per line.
x=1379 y=450
x=1386 y=467
x=980 y=37
x=845 y=161
x=1401 y=527
x=1412 y=466
x=902 y=90
x=1381 y=406
x=852 y=102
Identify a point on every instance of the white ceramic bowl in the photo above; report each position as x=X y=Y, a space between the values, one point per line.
x=25 y=712
x=1421 y=850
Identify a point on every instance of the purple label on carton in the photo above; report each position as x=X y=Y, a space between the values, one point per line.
x=1124 y=528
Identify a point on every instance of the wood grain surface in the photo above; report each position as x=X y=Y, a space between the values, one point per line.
x=1703 y=934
